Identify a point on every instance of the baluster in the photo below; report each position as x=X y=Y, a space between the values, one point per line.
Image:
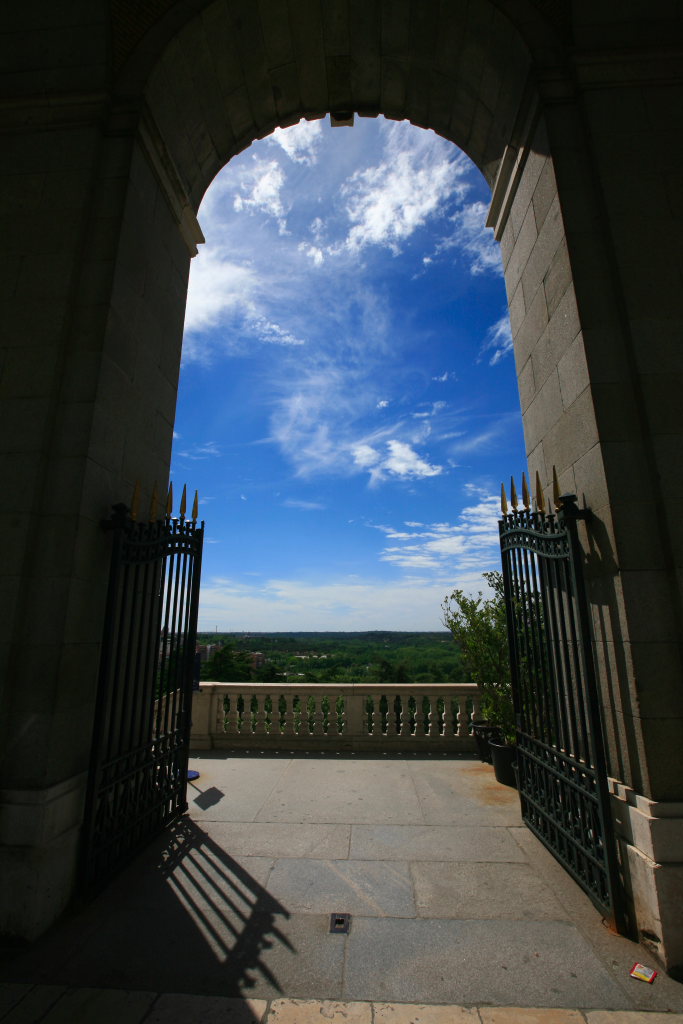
x=391 y=714
x=476 y=709
x=332 y=720
x=318 y=717
x=404 y=716
x=447 y=716
x=432 y=720
x=463 y=717
x=420 y=723
x=232 y=724
x=289 y=727
x=260 y=722
x=377 y=731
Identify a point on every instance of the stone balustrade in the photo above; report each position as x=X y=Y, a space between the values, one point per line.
x=316 y=716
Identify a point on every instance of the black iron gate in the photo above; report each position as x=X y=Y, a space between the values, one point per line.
x=561 y=754
x=138 y=773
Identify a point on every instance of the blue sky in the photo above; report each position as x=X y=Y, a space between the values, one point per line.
x=348 y=404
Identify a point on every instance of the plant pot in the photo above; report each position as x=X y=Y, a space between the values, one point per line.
x=504 y=758
x=483 y=733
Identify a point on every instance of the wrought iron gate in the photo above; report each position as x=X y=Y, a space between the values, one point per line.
x=138 y=773
x=560 y=748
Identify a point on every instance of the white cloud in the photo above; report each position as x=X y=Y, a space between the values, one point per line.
x=498 y=340
x=471 y=543
x=387 y=203
x=305 y=506
x=346 y=603
x=314 y=253
x=474 y=240
x=382 y=404
x=260 y=188
x=442 y=378
x=300 y=141
x=399 y=460
x=207 y=450
x=431 y=560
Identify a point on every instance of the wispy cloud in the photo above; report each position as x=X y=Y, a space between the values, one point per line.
x=387 y=203
x=473 y=240
x=300 y=142
x=260 y=190
x=469 y=544
x=305 y=506
x=398 y=460
x=498 y=340
x=207 y=450
x=358 y=603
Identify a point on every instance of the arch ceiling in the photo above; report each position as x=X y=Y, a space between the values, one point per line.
x=234 y=70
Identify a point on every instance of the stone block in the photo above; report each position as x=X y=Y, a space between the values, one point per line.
x=632 y=1017
x=557 y=279
x=526 y=384
x=517 y=312
x=542 y=414
x=467 y=843
x=416 y=1013
x=573 y=433
x=534 y=325
x=107 y=1006
x=311 y=1011
x=549 y=239
x=526 y=239
x=481 y=891
x=35 y=1004
x=522 y=1015
x=179 y=1008
x=365 y=888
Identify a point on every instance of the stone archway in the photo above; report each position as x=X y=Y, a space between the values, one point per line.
x=111 y=144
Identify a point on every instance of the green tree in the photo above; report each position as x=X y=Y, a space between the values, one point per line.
x=226 y=666
x=479 y=627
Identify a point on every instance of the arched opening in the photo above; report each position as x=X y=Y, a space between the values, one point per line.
x=347 y=371
x=119 y=151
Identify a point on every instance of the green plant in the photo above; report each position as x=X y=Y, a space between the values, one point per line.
x=479 y=627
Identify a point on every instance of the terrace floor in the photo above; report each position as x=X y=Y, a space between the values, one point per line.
x=457 y=912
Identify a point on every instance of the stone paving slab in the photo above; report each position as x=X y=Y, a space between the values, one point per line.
x=34 y=1005
x=235 y=798
x=526 y=1015
x=369 y=888
x=10 y=994
x=424 y=842
x=295 y=1011
x=99 y=1005
x=345 y=791
x=282 y=839
x=185 y=1009
x=470 y=962
x=407 y=1013
x=463 y=793
x=42 y=1005
x=469 y=890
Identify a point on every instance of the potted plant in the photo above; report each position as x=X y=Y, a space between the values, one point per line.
x=479 y=627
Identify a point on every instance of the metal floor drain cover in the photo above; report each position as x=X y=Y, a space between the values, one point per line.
x=340 y=923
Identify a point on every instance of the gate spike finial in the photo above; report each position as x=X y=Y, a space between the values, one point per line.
x=525 y=493
x=135 y=501
x=169 y=500
x=513 y=494
x=195 y=507
x=183 y=501
x=540 y=497
x=503 y=500
x=557 y=502
x=154 y=504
